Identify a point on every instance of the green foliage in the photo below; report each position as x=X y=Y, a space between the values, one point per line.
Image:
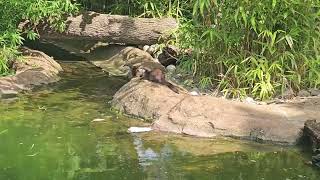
x=240 y=47
x=141 y=8
x=256 y=47
x=14 y=11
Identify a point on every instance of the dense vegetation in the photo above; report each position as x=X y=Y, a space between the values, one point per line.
x=15 y=11
x=261 y=48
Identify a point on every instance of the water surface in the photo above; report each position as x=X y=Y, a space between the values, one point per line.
x=49 y=134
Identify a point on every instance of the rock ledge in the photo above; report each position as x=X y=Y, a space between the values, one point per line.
x=208 y=116
x=36 y=68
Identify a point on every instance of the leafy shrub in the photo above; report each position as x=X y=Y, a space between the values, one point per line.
x=141 y=8
x=257 y=47
x=14 y=11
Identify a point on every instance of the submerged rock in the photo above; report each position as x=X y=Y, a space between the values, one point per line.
x=208 y=116
x=312 y=132
x=316 y=160
x=8 y=94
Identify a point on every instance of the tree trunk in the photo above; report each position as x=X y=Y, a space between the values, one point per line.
x=111 y=28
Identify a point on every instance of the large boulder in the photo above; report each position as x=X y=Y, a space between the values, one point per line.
x=35 y=68
x=208 y=116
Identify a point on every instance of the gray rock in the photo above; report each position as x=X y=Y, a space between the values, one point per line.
x=304 y=93
x=250 y=100
x=316 y=160
x=141 y=47
x=153 y=49
x=195 y=92
x=207 y=116
x=37 y=69
x=145 y=48
x=311 y=130
x=178 y=76
x=113 y=58
x=287 y=94
x=314 y=92
x=171 y=68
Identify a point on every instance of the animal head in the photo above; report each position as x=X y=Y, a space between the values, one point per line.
x=157 y=75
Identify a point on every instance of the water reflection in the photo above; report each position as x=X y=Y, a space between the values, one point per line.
x=145 y=155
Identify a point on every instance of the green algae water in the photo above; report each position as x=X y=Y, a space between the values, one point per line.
x=49 y=134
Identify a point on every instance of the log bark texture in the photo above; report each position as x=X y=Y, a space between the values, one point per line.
x=111 y=28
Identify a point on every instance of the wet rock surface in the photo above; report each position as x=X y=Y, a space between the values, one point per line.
x=312 y=132
x=37 y=68
x=316 y=160
x=110 y=58
x=208 y=116
x=8 y=94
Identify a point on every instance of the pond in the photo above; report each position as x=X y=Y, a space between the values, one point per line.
x=50 y=134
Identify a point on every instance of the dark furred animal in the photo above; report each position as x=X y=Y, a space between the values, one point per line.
x=154 y=72
x=158 y=76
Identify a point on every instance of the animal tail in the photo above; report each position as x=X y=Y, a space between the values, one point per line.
x=173 y=87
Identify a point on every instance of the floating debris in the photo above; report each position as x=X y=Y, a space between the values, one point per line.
x=32 y=155
x=139 y=129
x=98 y=120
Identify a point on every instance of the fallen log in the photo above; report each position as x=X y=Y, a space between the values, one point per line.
x=110 y=28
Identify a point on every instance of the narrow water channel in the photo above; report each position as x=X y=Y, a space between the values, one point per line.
x=49 y=134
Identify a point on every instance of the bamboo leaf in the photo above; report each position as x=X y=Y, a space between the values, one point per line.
x=274 y=2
